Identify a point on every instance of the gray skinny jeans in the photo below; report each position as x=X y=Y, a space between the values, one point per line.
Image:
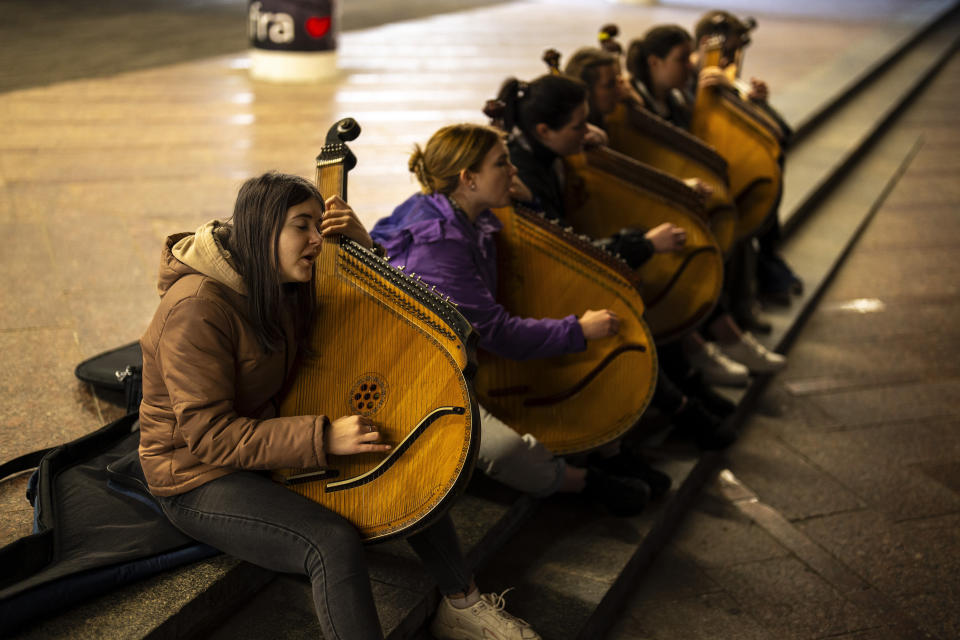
x=249 y=516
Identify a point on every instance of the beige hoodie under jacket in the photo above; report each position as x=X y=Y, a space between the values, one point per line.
x=209 y=390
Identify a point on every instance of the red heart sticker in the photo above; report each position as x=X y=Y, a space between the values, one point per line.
x=318 y=27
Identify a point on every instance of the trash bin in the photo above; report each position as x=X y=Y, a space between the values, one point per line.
x=293 y=40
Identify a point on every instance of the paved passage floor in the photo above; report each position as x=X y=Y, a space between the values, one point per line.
x=855 y=452
x=838 y=515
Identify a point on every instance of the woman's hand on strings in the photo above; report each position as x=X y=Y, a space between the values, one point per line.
x=667 y=237
x=713 y=77
x=758 y=90
x=702 y=188
x=599 y=324
x=338 y=217
x=595 y=136
x=353 y=434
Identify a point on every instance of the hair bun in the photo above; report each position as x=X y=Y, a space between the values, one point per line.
x=417 y=165
x=552 y=58
x=607 y=38
x=494 y=109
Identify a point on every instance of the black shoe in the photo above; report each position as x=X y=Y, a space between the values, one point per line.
x=776 y=281
x=712 y=401
x=749 y=321
x=709 y=431
x=628 y=464
x=621 y=495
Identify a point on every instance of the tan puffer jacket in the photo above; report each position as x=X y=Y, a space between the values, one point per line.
x=209 y=390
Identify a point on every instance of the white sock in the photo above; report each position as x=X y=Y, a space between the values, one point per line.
x=466 y=601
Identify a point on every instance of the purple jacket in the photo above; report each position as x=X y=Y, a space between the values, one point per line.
x=440 y=245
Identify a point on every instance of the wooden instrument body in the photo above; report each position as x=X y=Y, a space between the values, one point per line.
x=609 y=192
x=579 y=401
x=636 y=133
x=387 y=347
x=750 y=146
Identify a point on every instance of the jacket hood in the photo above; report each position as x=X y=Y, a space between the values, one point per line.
x=205 y=251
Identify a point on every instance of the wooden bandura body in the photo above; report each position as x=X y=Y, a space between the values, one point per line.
x=636 y=133
x=384 y=346
x=607 y=192
x=579 y=401
x=748 y=143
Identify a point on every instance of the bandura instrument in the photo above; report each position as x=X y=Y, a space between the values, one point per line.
x=763 y=111
x=731 y=126
x=579 y=401
x=384 y=346
x=641 y=135
x=608 y=192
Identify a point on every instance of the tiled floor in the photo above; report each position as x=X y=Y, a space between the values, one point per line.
x=854 y=455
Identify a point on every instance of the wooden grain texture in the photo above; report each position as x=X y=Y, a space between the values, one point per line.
x=679 y=288
x=385 y=347
x=579 y=401
x=648 y=139
x=744 y=138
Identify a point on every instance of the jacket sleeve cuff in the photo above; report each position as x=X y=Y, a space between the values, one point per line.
x=323 y=423
x=577 y=341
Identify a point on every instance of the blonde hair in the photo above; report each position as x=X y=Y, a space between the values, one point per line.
x=448 y=152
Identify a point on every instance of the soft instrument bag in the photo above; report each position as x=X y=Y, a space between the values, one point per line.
x=385 y=346
x=578 y=401
x=608 y=192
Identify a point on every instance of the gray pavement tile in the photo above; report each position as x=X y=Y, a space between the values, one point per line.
x=935 y=613
x=892 y=403
x=713 y=533
x=41 y=401
x=876 y=273
x=878 y=633
x=878 y=465
x=781 y=410
x=15 y=523
x=672 y=576
x=898 y=558
x=902 y=358
x=840 y=323
x=705 y=617
x=785 y=480
x=788 y=598
x=947 y=473
x=110 y=316
x=282 y=609
x=918 y=227
x=925 y=191
x=34 y=295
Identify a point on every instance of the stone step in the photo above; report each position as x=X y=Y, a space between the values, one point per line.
x=831 y=138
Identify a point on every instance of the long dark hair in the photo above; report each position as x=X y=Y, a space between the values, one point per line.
x=258 y=217
x=585 y=64
x=550 y=99
x=659 y=42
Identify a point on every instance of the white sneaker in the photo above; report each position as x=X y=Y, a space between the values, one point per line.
x=717 y=368
x=754 y=355
x=485 y=620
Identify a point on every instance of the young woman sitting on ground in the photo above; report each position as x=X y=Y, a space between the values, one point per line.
x=237 y=299
x=446 y=235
